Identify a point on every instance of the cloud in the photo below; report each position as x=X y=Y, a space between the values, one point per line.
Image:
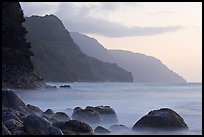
x=79 y=21
x=162 y=13
x=78 y=17
x=112 y=29
x=39 y=8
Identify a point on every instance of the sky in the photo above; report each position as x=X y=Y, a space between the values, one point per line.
x=169 y=31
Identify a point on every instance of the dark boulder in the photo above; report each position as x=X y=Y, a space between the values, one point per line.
x=35 y=125
x=61 y=116
x=79 y=127
x=15 y=127
x=86 y=115
x=9 y=114
x=74 y=127
x=65 y=86
x=48 y=112
x=106 y=113
x=62 y=126
x=163 y=119
x=100 y=129
x=11 y=100
x=34 y=108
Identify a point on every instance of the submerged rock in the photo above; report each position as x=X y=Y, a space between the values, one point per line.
x=96 y=115
x=86 y=115
x=118 y=128
x=106 y=113
x=35 y=125
x=164 y=119
x=50 y=87
x=100 y=129
x=65 y=86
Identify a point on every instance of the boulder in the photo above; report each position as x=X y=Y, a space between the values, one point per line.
x=100 y=129
x=74 y=127
x=106 y=113
x=48 y=112
x=86 y=115
x=50 y=119
x=61 y=116
x=15 y=127
x=34 y=108
x=8 y=114
x=65 y=86
x=49 y=87
x=35 y=125
x=162 y=119
x=11 y=100
x=62 y=126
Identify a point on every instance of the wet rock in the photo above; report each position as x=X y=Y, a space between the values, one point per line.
x=15 y=127
x=62 y=126
x=86 y=115
x=78 y=126
x=50 y=119
x=34 y=108
x=118 y=128
x=100 y=129
x=35 y=125
x=69 y=132
x=74 y=127
x=11 y=100
x=5 y=131
x=48 y=112
x=49 y=87
x=8 y=113
x=65 y=86
x=106 y=113
x=163 y=119
x=61 y=116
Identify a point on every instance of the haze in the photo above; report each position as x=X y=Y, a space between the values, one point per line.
x=170 y=32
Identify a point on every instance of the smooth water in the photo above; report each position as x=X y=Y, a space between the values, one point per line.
x=131 y=101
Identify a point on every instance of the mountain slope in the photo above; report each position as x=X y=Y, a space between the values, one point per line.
x=17 y=68
x=144 y=68
x=91 y=47
x=58 y=59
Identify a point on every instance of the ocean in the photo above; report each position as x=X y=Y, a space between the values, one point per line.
x=131 y=101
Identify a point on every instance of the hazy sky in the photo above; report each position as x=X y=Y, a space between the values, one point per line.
x=169 y=31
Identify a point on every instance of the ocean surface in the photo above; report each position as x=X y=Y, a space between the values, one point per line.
x=131 y=101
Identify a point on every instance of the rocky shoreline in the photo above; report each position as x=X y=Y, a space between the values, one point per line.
x=21 y=119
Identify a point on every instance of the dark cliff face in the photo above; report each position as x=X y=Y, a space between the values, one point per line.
x=58 y=59
x=144 y=68
x=17 y=69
